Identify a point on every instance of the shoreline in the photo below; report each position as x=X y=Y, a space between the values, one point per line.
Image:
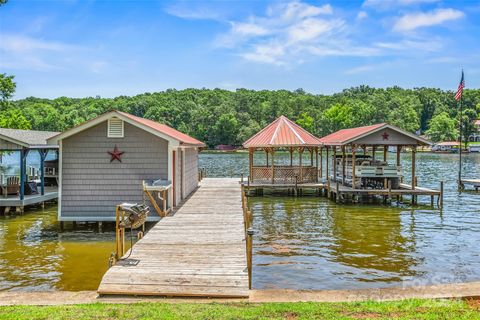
x=466 y=290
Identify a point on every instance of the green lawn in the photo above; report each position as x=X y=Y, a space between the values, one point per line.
x=407 y=309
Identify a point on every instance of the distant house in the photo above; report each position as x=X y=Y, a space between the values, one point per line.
x=446 y=146
x=224 y=147
x=475 y=137
x=104 y=161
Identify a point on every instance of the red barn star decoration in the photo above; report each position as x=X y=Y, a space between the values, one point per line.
x=116 y=154
x=385 y=135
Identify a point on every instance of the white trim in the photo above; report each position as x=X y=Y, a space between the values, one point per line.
x=105 y=117
x=60 y=184
x=109 y=124
x=295 y=132
x=276 y=131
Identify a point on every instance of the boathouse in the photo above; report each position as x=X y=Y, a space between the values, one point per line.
x=283 y=135
x=118 y=157
x=354 y=168
x=21 y=184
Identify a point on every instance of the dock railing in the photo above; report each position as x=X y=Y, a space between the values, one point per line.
x=247 y=219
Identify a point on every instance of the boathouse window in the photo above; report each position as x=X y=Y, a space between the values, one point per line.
x=115 y=128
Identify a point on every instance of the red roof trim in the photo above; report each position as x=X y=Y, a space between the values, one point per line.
x=163 y=128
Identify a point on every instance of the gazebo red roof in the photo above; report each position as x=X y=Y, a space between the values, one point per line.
x=282 y=133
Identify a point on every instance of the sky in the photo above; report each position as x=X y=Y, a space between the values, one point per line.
x=110 y=48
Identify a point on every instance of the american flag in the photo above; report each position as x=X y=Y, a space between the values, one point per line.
x=458 y=95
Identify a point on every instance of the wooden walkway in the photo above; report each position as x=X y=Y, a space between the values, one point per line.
x=199 y=251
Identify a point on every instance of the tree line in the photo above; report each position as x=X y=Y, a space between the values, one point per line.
x=218 y=116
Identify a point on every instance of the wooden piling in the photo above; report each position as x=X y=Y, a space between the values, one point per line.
x=249 y=256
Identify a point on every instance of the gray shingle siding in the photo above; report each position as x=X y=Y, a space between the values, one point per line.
x=92 y=185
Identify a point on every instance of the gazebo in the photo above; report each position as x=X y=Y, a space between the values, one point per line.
x=284 y=135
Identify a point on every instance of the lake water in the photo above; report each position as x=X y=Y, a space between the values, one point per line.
x=299 y=243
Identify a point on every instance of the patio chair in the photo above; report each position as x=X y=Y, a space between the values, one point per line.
x=12 y=187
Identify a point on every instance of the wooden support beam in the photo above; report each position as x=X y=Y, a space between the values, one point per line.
x=354 y=147
x=291 y=156
x=334 y=163
x=273 y=166
x=414 y=151
x=316 y=164
x=385 y=150
x=374 y=148
x=321 y=162
x=399 y=150
x=343 y=165
x=300 y=152
x=327 y=173
x=250 y=163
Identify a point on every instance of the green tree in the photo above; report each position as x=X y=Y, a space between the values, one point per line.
x=306 y=121
x=7 y=90
x=13 y=119
x=442 y=128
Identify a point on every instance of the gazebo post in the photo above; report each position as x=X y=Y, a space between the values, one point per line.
x=311 y=156
x=353 y=165
x=300 y=152
x=399 y=149
x=414 y=151
x=266 y=152
x=291 y=156
x=250 y=163
x=335 y=163
x=385 y=150
x=327 y=173
x=273 y=166
x=316 y=164
x=374 y=148
x=343 y=165
x=321 y=162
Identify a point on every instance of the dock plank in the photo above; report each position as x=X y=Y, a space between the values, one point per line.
x=198 y=251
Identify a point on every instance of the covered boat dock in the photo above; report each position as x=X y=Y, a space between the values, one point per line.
x=25 y=185
x=354 y=170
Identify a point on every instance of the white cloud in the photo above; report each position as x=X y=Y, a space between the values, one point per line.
x=187 y=12
x=360 y=69
x=362 y=15
x=389 y=4
x=412 y=21
x=429 y=45
x=287 y=31
x=297 y=9
x=22 y=44
x=249 y=29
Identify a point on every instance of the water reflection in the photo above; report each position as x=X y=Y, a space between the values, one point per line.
x=34 y=255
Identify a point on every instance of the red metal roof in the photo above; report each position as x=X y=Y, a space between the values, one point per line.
x=341 y=136
x=346 y=136
x=282 y=133
x=162 y=128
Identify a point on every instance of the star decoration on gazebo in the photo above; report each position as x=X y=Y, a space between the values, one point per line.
x=385 y=135
x=115 y=154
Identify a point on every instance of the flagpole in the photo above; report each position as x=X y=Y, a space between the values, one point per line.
x=460 y=149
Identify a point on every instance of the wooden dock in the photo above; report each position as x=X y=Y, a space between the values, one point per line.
x=475 y=183
x=51 y=193
x=198 y=251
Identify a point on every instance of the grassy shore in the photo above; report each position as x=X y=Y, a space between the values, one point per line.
x=407 y=309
